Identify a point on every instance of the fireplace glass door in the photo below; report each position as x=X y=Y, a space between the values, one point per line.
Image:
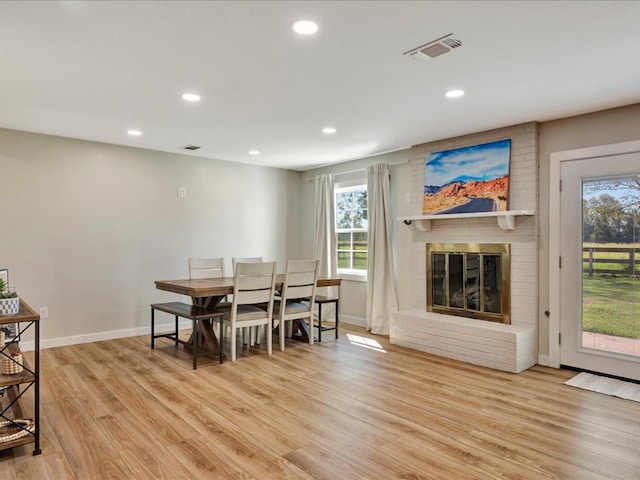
x=468 y=280
x=492 y=268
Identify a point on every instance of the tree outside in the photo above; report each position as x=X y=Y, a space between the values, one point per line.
x=351 y=228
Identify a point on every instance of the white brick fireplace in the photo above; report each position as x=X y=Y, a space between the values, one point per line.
x=513 y=347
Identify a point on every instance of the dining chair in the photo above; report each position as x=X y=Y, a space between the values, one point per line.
x=299 y=284
x=206 y=268
x=254 y=284
x=235 y=260
x=253 y=333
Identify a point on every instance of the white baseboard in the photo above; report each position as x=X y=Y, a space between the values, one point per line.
x=134 y=332
x=357 y=321
x=98 y=337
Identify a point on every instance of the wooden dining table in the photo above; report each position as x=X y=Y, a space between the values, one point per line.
x=208 y=292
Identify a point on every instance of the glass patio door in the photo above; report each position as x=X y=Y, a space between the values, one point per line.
x=600 y=265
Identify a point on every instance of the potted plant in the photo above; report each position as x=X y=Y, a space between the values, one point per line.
x=9 y=300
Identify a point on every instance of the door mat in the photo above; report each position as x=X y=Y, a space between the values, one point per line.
x=606 y=385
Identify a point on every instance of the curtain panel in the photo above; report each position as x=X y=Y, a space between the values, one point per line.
x=382 y=298
x=324 y=247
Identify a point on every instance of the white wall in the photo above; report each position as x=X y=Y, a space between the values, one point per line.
x=87 y=227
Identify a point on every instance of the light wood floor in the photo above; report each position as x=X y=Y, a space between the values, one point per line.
x=357 y=408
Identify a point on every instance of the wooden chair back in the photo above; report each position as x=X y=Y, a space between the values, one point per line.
x=252 y=305
x=254 y=283
x=235 y=260
x=300 y=280
x=206 y=268
x=297 y=296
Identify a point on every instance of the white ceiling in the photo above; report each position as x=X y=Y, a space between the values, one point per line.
x=92 y=70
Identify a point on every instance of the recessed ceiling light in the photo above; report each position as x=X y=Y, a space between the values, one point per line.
x=254 y=152
x=191 y=97
x=305 y=27
x=329 y=130
x=134 y=133
x=454 y=93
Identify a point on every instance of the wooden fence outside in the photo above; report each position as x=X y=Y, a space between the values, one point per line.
x=626 y=261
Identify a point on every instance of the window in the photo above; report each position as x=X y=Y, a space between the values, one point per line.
x=351 y=229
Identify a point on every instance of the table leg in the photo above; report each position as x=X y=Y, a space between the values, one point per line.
x=206 y=338
x=302 y=329
x=203 y=337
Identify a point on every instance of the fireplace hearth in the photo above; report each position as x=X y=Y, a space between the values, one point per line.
x=469 y=280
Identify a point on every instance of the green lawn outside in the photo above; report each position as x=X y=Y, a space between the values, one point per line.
x=611 y=305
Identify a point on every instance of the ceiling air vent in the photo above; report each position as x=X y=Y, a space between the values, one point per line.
x=435 y=48
x=190 y=147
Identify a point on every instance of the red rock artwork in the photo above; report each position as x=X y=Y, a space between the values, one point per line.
x=467 y=180
x=459 y=193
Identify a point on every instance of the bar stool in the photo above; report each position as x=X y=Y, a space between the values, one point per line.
x=322 y=300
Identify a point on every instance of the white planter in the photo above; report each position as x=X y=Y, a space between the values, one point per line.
x=9 y=306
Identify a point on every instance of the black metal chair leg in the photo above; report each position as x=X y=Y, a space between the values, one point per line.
x=195 y=343
x=221 y=342
x=337 y=316
x=153 y=335
x=321 y=328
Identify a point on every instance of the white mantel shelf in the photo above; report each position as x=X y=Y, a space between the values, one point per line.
x=506 y=219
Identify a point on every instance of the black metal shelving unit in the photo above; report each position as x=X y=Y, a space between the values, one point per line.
x=17 y=386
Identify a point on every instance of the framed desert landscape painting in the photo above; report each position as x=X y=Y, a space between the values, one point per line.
x=467 y=180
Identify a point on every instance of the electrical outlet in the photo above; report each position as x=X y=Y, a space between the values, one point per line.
x=407 y=198
x=44 y=312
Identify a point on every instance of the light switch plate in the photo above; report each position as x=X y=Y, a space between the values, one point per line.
x=182 y=192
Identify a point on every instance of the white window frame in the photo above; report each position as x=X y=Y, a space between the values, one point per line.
x=351 y=274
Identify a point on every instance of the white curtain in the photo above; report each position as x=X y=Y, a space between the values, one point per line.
x=324 y=248
x=382 y=298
